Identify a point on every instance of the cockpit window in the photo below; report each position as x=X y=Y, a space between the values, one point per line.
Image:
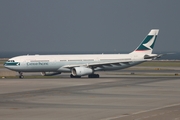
x=11 y=61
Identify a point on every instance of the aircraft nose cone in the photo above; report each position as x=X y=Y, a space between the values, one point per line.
x=5 y=64
x=11 y=65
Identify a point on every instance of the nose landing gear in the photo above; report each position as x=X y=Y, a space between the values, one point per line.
x=21 y=75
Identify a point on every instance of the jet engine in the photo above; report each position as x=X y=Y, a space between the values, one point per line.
x=81 y=71
x=50 y=73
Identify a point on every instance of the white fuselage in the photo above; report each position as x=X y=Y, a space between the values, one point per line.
x=56 y=63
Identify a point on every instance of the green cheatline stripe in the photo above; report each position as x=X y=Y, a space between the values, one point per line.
x=12 y=64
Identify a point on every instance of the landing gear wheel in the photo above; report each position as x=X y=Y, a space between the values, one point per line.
x=21 y=75
x=93 y=76
x=72 y=76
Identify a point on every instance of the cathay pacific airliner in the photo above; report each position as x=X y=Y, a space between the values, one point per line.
x=85 y=64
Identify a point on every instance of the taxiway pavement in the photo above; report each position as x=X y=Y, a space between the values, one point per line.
x=130 y=97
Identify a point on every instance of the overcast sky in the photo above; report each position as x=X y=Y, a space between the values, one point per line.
x=87 y=25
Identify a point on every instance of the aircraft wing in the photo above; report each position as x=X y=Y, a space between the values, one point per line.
x=99 y=64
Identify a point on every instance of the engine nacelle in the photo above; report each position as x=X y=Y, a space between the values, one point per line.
x=80 y=71
x=50 y=73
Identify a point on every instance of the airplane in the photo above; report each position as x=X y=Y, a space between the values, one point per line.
x=85 y=64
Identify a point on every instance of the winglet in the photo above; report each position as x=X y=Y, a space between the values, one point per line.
x=147 y=44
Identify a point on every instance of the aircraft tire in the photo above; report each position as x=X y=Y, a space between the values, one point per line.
x=93 y=76
x=72 y=76
x=21 y=76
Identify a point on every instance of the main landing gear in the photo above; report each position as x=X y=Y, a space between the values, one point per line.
x=93 y=76
x=89 y=76
x=72 y=76
x=21 y=75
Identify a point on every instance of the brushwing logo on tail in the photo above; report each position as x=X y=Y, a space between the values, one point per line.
x=148 y=43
